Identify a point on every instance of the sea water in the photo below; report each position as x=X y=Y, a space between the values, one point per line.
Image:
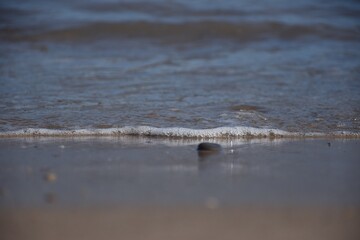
x=180 y=68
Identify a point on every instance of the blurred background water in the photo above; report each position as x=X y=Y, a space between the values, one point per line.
x=197 y=64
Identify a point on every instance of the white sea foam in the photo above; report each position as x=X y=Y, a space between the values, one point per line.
x=175 y=132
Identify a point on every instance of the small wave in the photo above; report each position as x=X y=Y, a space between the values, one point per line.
x=187 y=31
x=177 y=9
x=175 y=132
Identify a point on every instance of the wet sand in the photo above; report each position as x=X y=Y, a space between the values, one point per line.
x=182 y=223
x=152 y=188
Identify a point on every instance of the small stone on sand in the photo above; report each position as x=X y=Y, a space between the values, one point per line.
x=206 y=146
x=50 y=177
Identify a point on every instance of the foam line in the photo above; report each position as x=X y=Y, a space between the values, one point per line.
x=176 y=132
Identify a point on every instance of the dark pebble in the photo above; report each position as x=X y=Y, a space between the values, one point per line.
x=210 y=147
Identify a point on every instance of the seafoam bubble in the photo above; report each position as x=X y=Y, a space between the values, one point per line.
x=220 y=132
x=175 y=132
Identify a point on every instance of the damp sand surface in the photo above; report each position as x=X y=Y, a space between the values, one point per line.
x=182 y=223
x=158 y=188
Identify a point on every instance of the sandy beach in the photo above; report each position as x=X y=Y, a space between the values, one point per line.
x=103 y=105
x=182 y=223
x=153 y=188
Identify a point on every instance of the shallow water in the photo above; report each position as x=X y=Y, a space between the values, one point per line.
x=71 y=65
